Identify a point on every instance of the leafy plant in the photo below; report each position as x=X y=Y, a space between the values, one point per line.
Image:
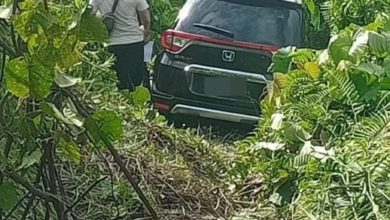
x=322 y=143
x=44 y=118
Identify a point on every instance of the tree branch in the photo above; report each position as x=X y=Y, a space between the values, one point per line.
x=49 y=151
x=37 y=192
x=45 y=5
x=128 y=176
x=28 y=207
x=105 y=161
x=117 y=158
x=13 y=35
x=85 y=193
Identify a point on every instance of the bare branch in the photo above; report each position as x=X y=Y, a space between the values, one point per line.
x=35 y=191
x=85 y=193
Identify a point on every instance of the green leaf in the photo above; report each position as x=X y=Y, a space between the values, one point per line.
x=283 y=194
x=313 y=69
x=45 y=19
x=340 y=46
x=31 y=159
x=24 y=80
x=314 y=12
x=92 y=29
x=69 y=148
x=295 y=132
x=41 y=80
x=371 y=68
x=281 y=60
x=377 y=42
x=8 y=195
x=359 y=44
x=367 y=85
x=385 y=84
x=141 y=96
x=104 y=124
x=16 y=78
x=52 y=110
x=63 y=80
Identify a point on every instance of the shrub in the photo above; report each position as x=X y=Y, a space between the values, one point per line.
x=323 y=141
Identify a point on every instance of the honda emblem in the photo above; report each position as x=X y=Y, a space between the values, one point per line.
x=228 y=56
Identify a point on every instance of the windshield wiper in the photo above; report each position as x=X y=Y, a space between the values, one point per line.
x=214 y=29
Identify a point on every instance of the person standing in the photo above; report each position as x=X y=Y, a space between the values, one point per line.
x=127 y=38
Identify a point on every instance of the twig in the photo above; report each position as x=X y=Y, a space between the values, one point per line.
x=2 y=67
x=173 y=189
x=45 y=186
x=37 y=192
x=47 y=210
x=128 y=176
x=52 y=178
x=85 y=193
x=8 y=144
x=59 y=180
x=32 y=198
x=117 y=159
x=45 y=5
x=28 y=207
x=111 y=180
x=13 y=35
x=2 y=101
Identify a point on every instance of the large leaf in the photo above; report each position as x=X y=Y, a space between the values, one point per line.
x=314 y=12
x=24 y=79
x=281 y=60
x=8 y=195
x=295 y=132
x=371 y=68
x=16 y=78
x=41 y=80
x=92 y=28
x=283 y=194
x=367 y=85
x=359 y=44
x=377 y=42
x=339 y=47
x=63 y=80
x=31 y=159
x=52 y=110
x=104 y=124
x=69 y=148
x=313 y=70
x=141 y=96
x=385 y=84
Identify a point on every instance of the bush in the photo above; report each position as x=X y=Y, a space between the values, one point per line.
x=323 y=141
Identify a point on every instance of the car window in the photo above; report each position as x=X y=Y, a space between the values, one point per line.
x=266 y=24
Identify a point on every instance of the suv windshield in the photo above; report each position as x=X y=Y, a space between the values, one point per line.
x=247 y=20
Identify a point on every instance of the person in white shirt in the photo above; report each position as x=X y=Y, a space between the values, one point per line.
x=127 y=38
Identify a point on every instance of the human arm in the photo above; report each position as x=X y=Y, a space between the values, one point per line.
x=144 y=15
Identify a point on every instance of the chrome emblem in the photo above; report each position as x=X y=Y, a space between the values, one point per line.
x=228 y=56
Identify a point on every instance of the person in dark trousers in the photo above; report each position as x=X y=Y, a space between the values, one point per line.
x=127 y=38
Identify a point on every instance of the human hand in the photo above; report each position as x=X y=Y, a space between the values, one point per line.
x=146 y=37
